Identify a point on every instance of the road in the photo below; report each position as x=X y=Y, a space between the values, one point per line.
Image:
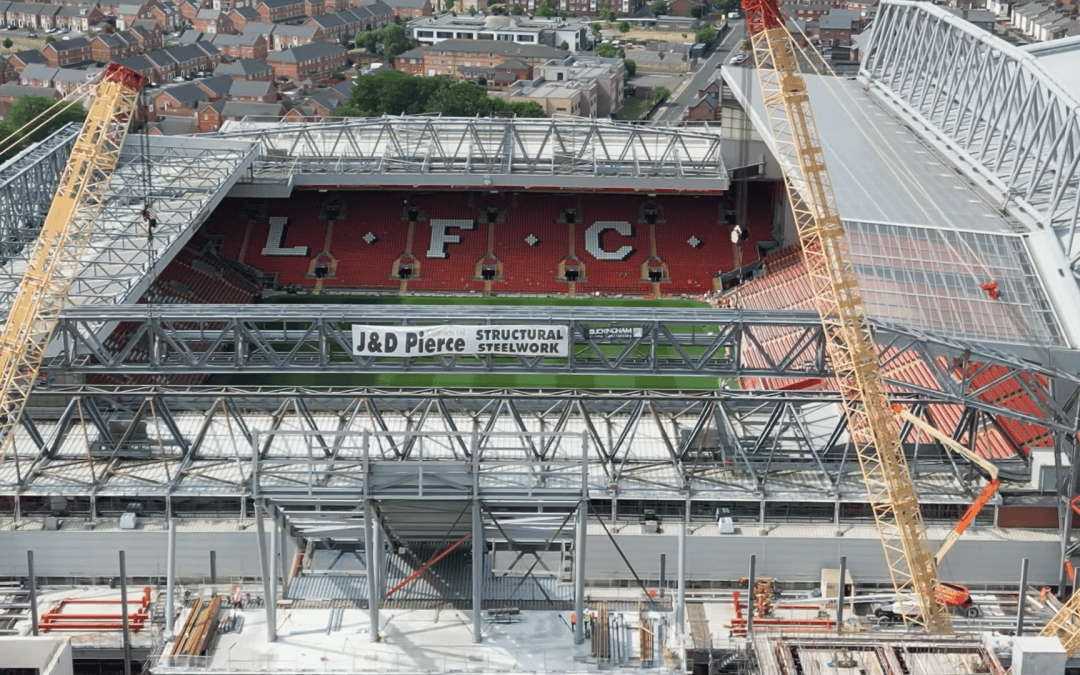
x=686 y=94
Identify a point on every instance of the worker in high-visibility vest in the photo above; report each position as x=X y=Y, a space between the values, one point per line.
x=573 y=621
x=587 y=620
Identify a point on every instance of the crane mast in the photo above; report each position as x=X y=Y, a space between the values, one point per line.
x=850 y=345
x=56 y=255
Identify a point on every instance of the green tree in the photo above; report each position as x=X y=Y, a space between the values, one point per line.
x=706 y=34
x=631 y=67
x=658 y=94
x=388 y=41
x=547 y=8
x=472 y=10
x=49 y=39
x=390 y=92
x=8 y=43
x=607 y=14
x=606 y=50
x=565 y=46
x=463 y=99
x=26 y=109
x=594 y=27
x=659 y=7
x=526 y=109
x=516 y=10
x=624 y=26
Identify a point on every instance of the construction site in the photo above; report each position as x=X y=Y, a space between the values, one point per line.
x=441 y=395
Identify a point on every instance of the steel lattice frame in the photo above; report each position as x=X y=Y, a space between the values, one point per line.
x=158 y=441
x=27 y=183
x=559 y=153
x=185 y=179
x=988 y=102
x=184 y=339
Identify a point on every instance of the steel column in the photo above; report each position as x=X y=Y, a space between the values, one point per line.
x=274 y=563
x=371 y=565
x=1021 y=602
x=840 y=596
x=170 y=579
x=32 y=585
x=124 y=613
x=264 y=565
x=477 y=571
x=750 y=599
x=680 y=600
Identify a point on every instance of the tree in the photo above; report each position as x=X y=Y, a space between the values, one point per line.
x=631 y=67
x=472 y=10
x=526 y=109
x=482 y=81
x=463 y=99
x=26 y=109
x=390 y=92
x=699 y=11
x=388 y=41
x=516 y=10
x=594 y=27
x=658 y=94
x=659 y=7
x=606 y=50
x=8 y=43
x=706 y=34
x=547 y=8
x=49 y=39
x=624 y=26
x=607 y=14
x=565 y=46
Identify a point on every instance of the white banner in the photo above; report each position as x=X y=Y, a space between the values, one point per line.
x=432 y=340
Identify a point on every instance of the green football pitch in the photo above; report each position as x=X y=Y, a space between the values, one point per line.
x=472 y=380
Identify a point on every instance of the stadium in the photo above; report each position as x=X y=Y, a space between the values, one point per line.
x=295 y=497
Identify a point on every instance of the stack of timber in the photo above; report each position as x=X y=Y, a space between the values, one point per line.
x=199 y=629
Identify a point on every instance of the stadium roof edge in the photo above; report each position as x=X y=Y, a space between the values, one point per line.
x=485 y=153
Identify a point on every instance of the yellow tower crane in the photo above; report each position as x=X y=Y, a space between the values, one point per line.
x=850 y=344
x=57 y=254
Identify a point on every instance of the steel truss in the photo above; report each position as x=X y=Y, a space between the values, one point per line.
x=559 y=153
x=27 y=184
x=186 y=339
x=988 y=102
x=739 y=445
x=184 y=179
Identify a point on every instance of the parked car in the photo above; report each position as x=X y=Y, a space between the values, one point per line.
x=31 y=35
x=739 y=58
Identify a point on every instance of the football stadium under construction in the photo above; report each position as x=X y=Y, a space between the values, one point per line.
x=435 y=395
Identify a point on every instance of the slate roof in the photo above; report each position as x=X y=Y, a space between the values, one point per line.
x=315 y=50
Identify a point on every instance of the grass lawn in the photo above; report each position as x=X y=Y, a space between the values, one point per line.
x=633 y=109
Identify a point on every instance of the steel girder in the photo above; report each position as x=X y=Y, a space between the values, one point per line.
x=186 y=339
x=560 y=153
x=329 y=445
x=988 y=102
x=27 y=184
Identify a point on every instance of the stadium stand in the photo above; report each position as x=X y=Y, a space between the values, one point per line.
x=356 y=238
x=784 y=286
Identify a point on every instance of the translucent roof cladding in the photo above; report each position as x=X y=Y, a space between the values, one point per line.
x=928 y=279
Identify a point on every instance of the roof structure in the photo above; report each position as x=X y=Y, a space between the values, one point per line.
x=923 y=236
x=559 y=153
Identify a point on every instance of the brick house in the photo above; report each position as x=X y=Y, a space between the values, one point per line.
x=316 y=61
x=26 y=14
x=141 y=66
x=37 y=75
x=182 y=99
x=285 y=36
x=67 y=52
x=20 y=60
x=706 y=108
x=242 y=46
x=163 y=64
x=241 y=16
x=211 y=21
x=452 y=57
x=836 y=28
x=246 y=69
x=188 y=9
x=411 y=9
x=64 y=80
x=211 y=115
x=273 y=11
x=111 y=46
x=145 y=38
x=78 y=18
x=350 y=22
x=253 y=91
x=126 y=14
x=166 y=14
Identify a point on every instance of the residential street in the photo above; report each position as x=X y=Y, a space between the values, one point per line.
x=682 y=98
